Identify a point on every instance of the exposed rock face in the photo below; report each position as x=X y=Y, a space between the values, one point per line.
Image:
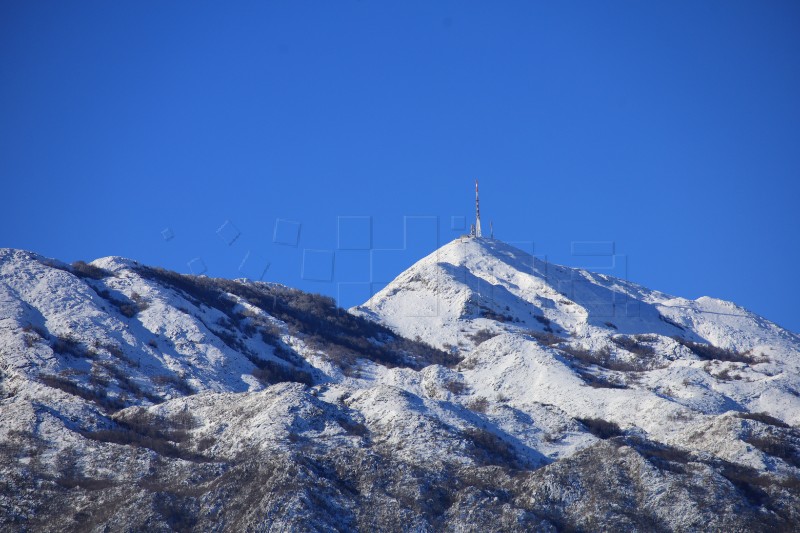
x=535 y=397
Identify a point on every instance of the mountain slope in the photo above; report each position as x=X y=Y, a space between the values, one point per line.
x=703 y=355
x=480 y=390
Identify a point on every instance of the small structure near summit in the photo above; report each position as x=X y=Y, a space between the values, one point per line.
x=475 y=229
x=477 y=212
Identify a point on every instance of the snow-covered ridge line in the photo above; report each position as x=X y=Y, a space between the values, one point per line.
x=527 y=378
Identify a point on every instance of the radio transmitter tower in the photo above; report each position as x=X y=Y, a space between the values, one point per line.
x=477 y=212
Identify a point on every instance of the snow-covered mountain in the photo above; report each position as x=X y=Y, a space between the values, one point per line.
x=480 y=390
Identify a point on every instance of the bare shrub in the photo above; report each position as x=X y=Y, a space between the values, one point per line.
x=582 y=354
x=724 y=374
x=482 y=335
x=204 y=443
x=491 y=314
x=68 y=345
x=231 y=340
x=602 y=358
x=545 y=338
x=467 y=364
x=114 y=350
x=776 y=446
x=139 y=300
x=670 y=322
x=129 y=307
x=600 y=428
x=125 y=382
x=599 y=381
x=661 y=455
x=178 y=383
x=764 y=418
x=479 y=404
x=30 y=339
x=184 y=420
x=270 y=333
x=353 y=427
x=490 y=449
x=456 y=387
x=710 y=352
x=87 y=271
x=147 y=431
x=96 y=396
x=543 y=320
x=35 y=330
x=97 y=378
x=633 y=345
x=748 y=481
x=127 y=310
x=270 y=372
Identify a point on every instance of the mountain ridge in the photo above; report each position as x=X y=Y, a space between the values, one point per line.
x=481 y=389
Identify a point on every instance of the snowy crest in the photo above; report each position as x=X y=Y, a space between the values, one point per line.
x=482 y=389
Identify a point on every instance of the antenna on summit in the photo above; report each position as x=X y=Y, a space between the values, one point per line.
x=477 y=212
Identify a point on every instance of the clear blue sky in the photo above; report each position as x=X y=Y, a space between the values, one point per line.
x=670 y=128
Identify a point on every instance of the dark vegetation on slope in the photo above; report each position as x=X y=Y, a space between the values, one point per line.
x=165 y=436
x=338 y=334
x=81 y=269
x=270 y=372
x=764 y=418
x=671 y=322
x=602 y=429
x=491 y=314
x=590 y=364
x=69 y=346
x=175 y=382
x=128 y=307
x=87 y=271
x=710 y=352
x=636 y=344
x=96 y=395
x=482 y=335
x=780 y=442
x=369 y=488
x=605 y=358
x=583 y=360
x=545 y=338
x=103 y=376
x=490 y=449
x=597 y=380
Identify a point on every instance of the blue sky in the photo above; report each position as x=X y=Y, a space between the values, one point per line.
x=668 y=128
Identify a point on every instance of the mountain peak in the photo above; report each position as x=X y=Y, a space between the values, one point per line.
x=479 y=369
x=471 y=278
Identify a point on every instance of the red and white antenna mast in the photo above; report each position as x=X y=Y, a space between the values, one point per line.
x=477 y=212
